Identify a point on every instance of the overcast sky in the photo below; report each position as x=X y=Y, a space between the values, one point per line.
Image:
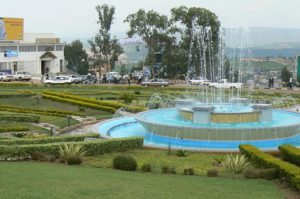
x=77 y=18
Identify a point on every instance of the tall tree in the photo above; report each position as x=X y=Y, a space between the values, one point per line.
x=285 y=75
x=76 y=57
x=106 y=49
x=152 y=28
x=198 y=20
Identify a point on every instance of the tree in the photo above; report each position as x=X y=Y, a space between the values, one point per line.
x=236 y=76
x=153 y=28
x=285 y=75
x=201 y=56
x=76 y=57
x=227 y=69
x=106 y=49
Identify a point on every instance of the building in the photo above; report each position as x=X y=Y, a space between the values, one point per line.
x=35 y=53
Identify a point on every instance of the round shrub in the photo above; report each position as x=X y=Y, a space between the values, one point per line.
x=146 y=167
x=212 y=173
x=188 y=170
x=124 y=162
x=72 y=160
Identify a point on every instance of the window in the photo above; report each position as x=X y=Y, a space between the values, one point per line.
x=45 y=48
x=59 y=48
x=7 y=48
x=27 y=48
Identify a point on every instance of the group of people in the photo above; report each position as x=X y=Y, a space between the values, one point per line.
x=271 y=82
x=121 y=79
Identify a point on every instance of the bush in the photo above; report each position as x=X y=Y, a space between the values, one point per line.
x=114 y=105
x=264 y=160
x=290 y=154
x=127 y=98
x=212 y=173
x=20 y=118
x=218 y=162
x=48 y=112
x=47 y=140
x=137 y=92
x=146 y=167
x=168 y=169
x=13 y=129
x=256 y=173
x=235 y=164
x=19 y=135
x=181 y=153
x=125 y=163
x=71 y=153
x=92 y=148
x=76 y=102
x=188 y=170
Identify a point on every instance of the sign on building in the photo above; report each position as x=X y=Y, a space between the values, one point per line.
x=10 y=53
x=11 y=29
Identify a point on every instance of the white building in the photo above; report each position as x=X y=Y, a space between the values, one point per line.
x=36 y=53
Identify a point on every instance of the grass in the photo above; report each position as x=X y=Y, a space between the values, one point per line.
x=23 y=180
x=201 y=162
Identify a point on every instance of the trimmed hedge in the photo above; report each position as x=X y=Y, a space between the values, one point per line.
x=49 y=112
x=13 y=129
x=20 y=118
x=289 y=171
x=290 y=154
x=47 y=140
x=71 y=101
x=92 y=148
x=114 y=105
x=105 y=103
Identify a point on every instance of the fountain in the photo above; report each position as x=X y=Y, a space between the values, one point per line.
x=219 y=119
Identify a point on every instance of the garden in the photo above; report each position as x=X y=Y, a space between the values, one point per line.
x=35 y=145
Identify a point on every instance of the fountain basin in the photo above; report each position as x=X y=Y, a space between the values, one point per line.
x=163 y=127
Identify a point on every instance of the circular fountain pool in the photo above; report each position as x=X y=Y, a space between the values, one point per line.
x=168 y=127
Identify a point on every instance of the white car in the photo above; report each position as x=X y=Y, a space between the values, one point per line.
x=75 y=78
x=22 y=76
x=155 y=82
x=6 y=77
x=58 y=80
x=198 y=81
x=223 y=83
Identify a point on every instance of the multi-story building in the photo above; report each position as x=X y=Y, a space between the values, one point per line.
x=36 y=53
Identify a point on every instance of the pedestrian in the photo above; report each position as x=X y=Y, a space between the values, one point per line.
x=270 y=82
x=291 y=82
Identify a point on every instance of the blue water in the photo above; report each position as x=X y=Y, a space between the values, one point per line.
x=171 y=117
x=129 y=127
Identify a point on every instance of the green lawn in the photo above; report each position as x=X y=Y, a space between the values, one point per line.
x=29 y=180
x=201 y=162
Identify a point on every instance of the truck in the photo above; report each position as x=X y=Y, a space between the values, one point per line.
x=223 y=83
x=22 y=76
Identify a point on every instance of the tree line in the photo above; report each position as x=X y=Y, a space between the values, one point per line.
x=167 y=39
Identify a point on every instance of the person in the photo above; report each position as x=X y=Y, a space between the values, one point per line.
x=128 y=80
x=270 y=82
x=291 y=82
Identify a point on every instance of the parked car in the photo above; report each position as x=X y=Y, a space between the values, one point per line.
x=6 y=77
x=223 y=83
x=155 y=82
x=75 y=79
x=198 y=81
x=21 y=76
x=58 y=80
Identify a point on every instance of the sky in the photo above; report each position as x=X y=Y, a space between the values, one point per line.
x=72 y=19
